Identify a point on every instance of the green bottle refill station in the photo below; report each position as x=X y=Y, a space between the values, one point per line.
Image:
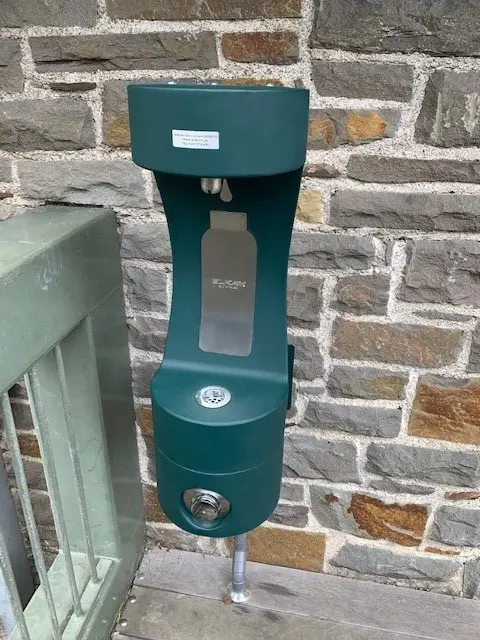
x=228 y=163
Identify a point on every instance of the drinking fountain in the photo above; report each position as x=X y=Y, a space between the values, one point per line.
x=228 y=163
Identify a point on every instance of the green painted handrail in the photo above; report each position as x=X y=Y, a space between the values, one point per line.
x=63 y=331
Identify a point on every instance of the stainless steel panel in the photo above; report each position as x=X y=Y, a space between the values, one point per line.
x=229 y=266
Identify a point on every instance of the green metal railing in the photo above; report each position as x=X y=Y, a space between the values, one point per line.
x=62 y=331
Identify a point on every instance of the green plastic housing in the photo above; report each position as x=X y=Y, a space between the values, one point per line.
x=260 y=138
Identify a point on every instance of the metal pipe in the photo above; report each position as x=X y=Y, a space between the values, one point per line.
x=211 y=185
x=39 y=420
x=10 y=529
x=238 y=591
x=75 y=458
x=6 y=570
x=22 y=485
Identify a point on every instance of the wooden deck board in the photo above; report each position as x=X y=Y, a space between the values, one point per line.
x=338 y=600
x=162 y=615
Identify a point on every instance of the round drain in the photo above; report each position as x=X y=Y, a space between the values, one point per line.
x=213 y=397
x=206 y=505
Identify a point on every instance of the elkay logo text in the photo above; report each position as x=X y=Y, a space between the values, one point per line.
x=228 y=284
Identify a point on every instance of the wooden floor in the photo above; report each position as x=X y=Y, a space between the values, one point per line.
x=179 y=596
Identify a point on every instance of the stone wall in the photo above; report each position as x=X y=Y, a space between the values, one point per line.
x=382 y=466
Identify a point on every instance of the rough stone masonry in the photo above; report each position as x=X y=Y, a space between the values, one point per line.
x=382 y=464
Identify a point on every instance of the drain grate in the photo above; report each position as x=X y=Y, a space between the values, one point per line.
x=213 y=397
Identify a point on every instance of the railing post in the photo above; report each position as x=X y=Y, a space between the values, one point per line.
x=109 y=337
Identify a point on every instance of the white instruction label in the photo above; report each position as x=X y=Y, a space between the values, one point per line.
x=185 y=139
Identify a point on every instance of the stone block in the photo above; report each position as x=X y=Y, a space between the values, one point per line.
x=401 y=170
x=286 y=548
x=428 y=26
x=292 y=492
x=331 y=251
x=410 y=345
x=145 y=241
x=362 y=294
x=435 y=314
x=48 y=13
x=442 y=271
x=471 y=579
x=462 y=495
x=29 y=445
x=146 y=289
x=330 y=128
x=308 y=363
x=42 y=508
x=145 y=422
x=50 y=125
x=49 y=541
x=117 y=183
x=304 y=299
x=308 y=457
x=164 y=536
x=474 y=358
x=21 y=415
x=366 y=382
x=290 y=515
x=393 y=486
x=378 y=81
x=446 y=409
x=358 y=420
x=147 y=333
x=250 y=81
x=404 y=569
x=168 y=50
x=440 y=466
x=368 y=517
x=456 y=526
x=203 y=9
x=310 y=206
x=116 y=125
x=11 y=76
x=73 y=87
x=33 y=472
x=449 y=116
x=5 y=170
x=265 y=47
x=398 y=210
x=18 y=390
x=142 y=374
x=320 y=170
